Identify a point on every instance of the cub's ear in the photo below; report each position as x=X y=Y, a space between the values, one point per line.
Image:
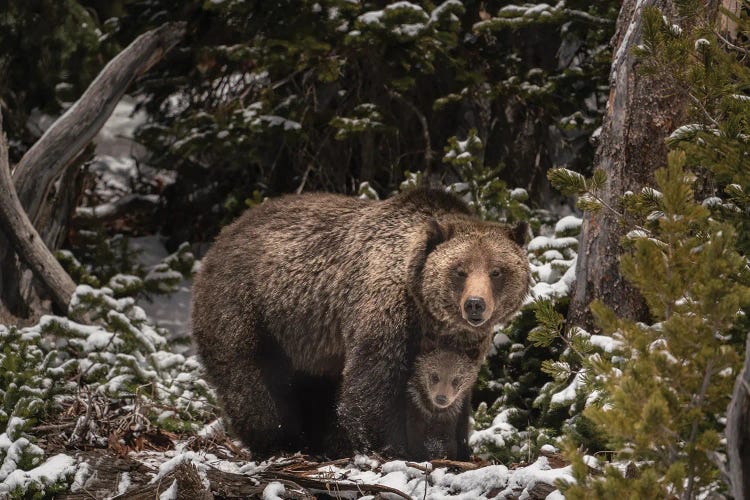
x=519 y=232
x=437 y=232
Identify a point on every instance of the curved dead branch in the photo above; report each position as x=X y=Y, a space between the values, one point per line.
x=47 y=158
x=25 y=239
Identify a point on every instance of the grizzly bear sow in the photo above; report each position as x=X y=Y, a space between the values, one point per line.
x=321 y=290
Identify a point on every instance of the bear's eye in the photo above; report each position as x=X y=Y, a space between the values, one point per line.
x=495 y=273
x=461 y=273
x=456 y=382
x=434 y=379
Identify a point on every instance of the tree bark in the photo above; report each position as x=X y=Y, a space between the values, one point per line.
x=738 y=433
x=738 y=415
x=56 y=151
x=641 y=112
x=25 y=239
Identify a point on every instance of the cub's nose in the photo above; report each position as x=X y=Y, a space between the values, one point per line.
x=474 y=307
x=441 y=400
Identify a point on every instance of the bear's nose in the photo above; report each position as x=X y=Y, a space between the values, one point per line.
x=474 y=307
x=441 y=400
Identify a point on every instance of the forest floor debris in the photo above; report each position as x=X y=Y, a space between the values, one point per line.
x=214 y=466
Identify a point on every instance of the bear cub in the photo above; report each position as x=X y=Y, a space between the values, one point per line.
x=439 y=402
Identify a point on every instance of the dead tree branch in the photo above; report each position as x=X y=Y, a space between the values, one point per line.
x=46 y=161
x=48 y=157
x=25 y=239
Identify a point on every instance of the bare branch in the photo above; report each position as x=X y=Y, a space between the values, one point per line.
x=25 y=239
x=45 y=161
x=731 y=45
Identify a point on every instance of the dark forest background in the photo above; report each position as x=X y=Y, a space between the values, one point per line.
x=269 y=97
x=619 y=130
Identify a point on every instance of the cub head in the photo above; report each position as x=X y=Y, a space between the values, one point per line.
x=473 y=274
x=441 y=378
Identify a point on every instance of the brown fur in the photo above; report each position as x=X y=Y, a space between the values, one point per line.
x=339 y=289
x=436 y=430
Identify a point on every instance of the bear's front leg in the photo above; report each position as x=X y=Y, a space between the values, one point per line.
x=463 y=450
x=372 y=403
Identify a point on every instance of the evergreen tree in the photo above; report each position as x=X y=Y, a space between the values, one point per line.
x=49 y=52
x=662 y=401
x=661 y=404
x=273 y=97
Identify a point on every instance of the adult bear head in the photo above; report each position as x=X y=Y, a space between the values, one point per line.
x=470 y=275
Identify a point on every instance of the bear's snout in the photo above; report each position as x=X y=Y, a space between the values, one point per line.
x=477 y=301
x=441 y=400
x=474 y=308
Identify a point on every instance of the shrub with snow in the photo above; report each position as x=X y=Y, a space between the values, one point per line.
x=113 y=354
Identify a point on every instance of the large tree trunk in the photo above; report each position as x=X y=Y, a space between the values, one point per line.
x=50 y=159
x=641 y=112
x=738 y=415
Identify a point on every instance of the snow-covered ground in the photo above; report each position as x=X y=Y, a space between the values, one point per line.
x=413 y=480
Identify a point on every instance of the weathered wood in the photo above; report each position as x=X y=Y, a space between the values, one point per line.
x=332 y=485
x=229 y=485
x=727 y=25
x=540 y=490
x=184 y=478
x=59 y=147
x=47 y=158
x=25 y=239
x=641 y=112
x=737 y=471
x=56 y=216
x=57 y=212
x=108 y=476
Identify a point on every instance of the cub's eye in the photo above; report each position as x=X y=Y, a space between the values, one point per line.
x=461 y=273
x=434 y=379
x=456 y=382
x=495 y=273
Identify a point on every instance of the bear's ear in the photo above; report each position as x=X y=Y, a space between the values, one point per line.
x=430 y=236
x=519 y=232
x=427 y=343
x=437 y=232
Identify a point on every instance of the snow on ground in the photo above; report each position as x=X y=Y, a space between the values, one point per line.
x=117 y=154
x=53 y=471
x=417 y=480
